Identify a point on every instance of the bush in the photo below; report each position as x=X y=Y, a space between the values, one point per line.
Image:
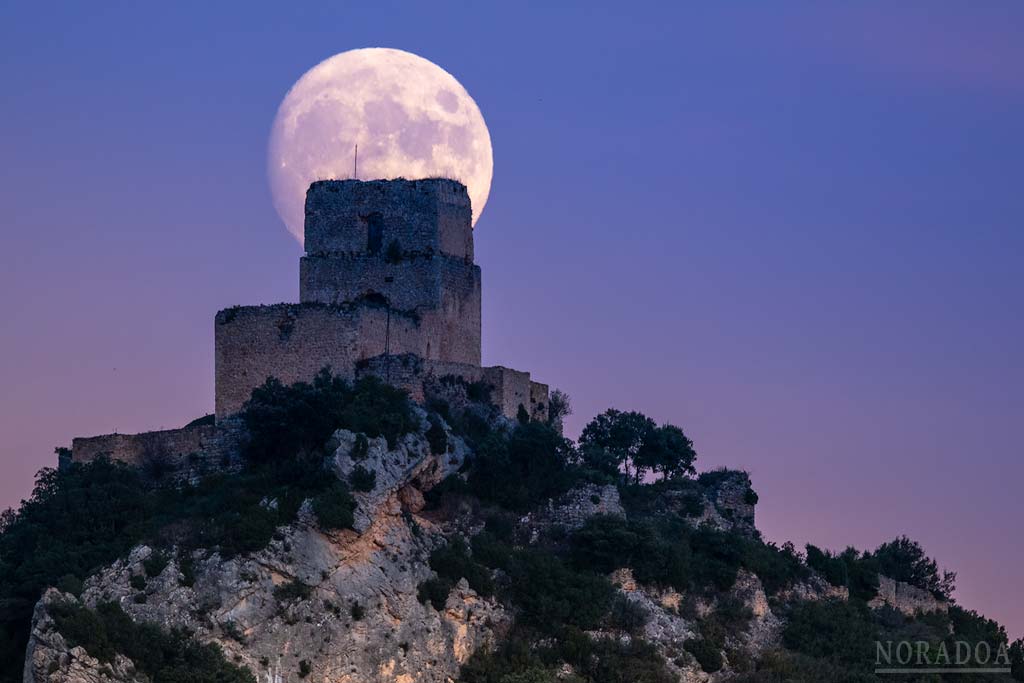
x=357 y=611
x=552 y=595
x=304 y=668
x=453 y=562
x=362 y=479
x=378 y=409
x=834 y=630
x=155 y=564
x=435 y=591
x=436 y=435
x=286 y=422
x=525 y=469
x=627 y=616
x=334 y=508
x=293 y=591
x=904 y=560
x=159 y=655
x=77 y=518
x=361 y=448
x=707 y=655
x=69 y=583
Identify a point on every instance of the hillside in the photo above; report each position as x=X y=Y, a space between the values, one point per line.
x=357 y=536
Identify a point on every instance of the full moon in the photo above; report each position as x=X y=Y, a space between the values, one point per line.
x=409 y=117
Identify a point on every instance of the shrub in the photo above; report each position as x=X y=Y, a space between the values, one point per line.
x=304 y=668
x=551 y=594
x=155 y=564
x=904 y=560
x=523 y=470
x=490 y=551
x=838 y=631
x=357 y=611
x=777 y=567
x=187 y=568
x=361 y=448
x=159 y=655
x=78 y=518
x=362 y=479
x=379 y=409
x=293 y=591
x=334 y=508
x=851 y=569
x=435 y=591
x=69 y=583
x=138 y=582
x=285 y=422
x=453 y=562
x=707 y=655
x=436 y=435
x=627 y=615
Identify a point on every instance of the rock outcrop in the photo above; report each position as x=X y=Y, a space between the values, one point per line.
x=342 y=606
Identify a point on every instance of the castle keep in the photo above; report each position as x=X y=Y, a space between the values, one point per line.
x=387 y=287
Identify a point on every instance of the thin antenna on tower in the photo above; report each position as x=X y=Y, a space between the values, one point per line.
x=355 y=164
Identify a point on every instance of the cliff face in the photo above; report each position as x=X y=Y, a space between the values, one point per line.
x=344 y=606
x=340 y=607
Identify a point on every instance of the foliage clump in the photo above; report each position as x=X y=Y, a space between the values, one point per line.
x=161 y=655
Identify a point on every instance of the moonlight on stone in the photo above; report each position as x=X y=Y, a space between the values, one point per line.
x=409 y=117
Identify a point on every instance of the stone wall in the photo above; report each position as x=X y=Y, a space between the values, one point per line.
x=905 y=598
x=136 y=449
x=183 y=453
x=572 y=510
x=293 y=342
x=427 y=216
x=443 y=292
x=509 y=388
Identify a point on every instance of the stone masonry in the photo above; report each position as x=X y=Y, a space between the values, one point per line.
x=387 y=286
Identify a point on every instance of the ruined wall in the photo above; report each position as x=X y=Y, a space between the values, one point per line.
x=134 y=449
x=292 y=342
x=509 y=388
x=184 y=452
x=909 y=600
x=444 y=293
x=426 y=216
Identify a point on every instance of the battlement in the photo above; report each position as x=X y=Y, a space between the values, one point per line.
x=430 y=216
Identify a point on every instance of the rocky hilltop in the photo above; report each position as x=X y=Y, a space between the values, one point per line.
x=360 y=537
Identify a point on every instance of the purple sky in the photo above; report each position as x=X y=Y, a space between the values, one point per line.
x=796 y=231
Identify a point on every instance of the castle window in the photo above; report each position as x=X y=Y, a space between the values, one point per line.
x=389 y=278
x=374 y=223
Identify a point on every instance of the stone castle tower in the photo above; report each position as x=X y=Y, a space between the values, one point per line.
x=387 y=287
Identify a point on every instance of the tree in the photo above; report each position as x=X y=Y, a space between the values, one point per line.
x=559 y=407
x=620 y=435
x=667 y=449
x=904 y=560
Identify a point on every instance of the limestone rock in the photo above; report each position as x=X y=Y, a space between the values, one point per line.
x=50 y=659
x=361 y=619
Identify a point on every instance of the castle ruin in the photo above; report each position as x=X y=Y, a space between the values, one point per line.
x=387 y=287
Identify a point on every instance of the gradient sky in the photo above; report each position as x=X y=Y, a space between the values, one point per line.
x=794 y=229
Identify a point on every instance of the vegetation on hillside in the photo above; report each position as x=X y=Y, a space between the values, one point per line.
x=85 y=516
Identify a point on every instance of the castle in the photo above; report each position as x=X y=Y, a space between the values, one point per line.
x=387 y=287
